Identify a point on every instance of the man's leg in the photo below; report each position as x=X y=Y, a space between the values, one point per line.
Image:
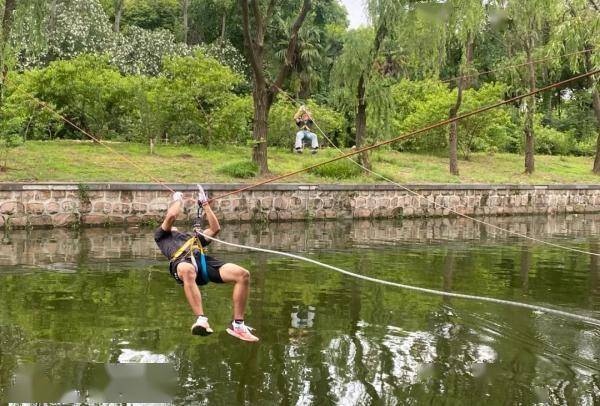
x=231 y=273
x=314 y=142
x=299 y=138
x=240 y=277
x=187 y=274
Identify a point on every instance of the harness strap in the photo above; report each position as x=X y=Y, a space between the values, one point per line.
x=188 y=249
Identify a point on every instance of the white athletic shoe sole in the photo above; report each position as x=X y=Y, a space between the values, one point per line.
x=251 y=339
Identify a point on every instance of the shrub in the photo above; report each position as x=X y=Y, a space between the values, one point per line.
x=551 y=142
x=340 y=169
x=240 y=169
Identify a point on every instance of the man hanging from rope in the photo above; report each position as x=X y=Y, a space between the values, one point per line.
x=304 y=120
x=191 y=267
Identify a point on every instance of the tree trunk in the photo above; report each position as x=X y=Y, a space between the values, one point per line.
x=261 y=115
x=305 y=89
x=52 y=17
x=184 y=8
x=529 y=116
x=453 y=130
x=223 y=21
x=596 y=106
x=118 y=14
x=361 y=123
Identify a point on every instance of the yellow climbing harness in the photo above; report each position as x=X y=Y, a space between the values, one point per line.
x=188 y=249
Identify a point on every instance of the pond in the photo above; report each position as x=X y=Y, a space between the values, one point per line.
x=92 y=315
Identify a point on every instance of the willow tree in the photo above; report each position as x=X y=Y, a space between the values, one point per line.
x=467 y=18
x=359 y=74
x=581 y=32
x=256 y=17
x=528 y=24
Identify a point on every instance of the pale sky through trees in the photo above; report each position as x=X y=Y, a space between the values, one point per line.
x=356 y=12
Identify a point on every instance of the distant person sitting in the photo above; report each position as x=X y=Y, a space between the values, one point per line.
x=304 y=121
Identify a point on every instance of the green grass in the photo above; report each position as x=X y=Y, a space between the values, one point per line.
x=86 y=162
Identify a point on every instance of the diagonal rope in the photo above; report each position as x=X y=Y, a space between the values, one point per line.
x=96 y=139
x=355 y=152
x=432 y=201
x=409 y=134
x=586 y=319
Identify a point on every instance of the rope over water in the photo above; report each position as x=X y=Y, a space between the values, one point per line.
x=436 y=204
x=586 y=319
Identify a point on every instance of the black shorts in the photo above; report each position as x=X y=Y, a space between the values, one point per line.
x=213 y=266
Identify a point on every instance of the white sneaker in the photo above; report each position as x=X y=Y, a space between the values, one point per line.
x=242 y=332
x=201 y=327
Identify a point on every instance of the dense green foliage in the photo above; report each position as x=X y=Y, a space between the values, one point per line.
x=138 y=80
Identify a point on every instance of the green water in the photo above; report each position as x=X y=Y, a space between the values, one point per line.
x=72 y=301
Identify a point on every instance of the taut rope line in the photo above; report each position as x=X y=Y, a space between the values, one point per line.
x=358 y=151
x=410 y=134
x=451 y=210
x=585 y=319
x=96 y=139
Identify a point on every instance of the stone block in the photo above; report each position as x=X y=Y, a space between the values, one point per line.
x=34 y=208
x=102 y=207
x=54 y=194
x=116 y=219
x=18 y=221
x=158 y=207
x=280 y=203
x=94 y=219
x=362 y=213
x=285 y=215
x=139 y=208
x=245 y=216
x=40 y=221
x=126 y=196
x=64 y=219
x=11 y=208
x=317 y=204
x=69 y=206
x=231 y=216
x=52 y=207
x=299 y=215
x=42 y=195
x=330 y=214
x=132 y=219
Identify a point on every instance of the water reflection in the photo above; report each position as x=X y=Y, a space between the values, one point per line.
x=73 y=298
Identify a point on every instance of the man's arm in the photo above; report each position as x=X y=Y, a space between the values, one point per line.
x=213 y=223
x=174 y=211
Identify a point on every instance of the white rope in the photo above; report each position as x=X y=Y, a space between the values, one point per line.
x=585 y=319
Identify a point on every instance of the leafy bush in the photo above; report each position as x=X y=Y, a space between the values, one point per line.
x=340 y=169
x=421 y=103
x=193 y=101
x=88 y=91
x=240 y=169
x=552 y=142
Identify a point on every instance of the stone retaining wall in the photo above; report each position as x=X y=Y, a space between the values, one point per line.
x=65 y=204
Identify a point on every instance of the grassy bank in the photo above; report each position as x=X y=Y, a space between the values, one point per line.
x=86 y=162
